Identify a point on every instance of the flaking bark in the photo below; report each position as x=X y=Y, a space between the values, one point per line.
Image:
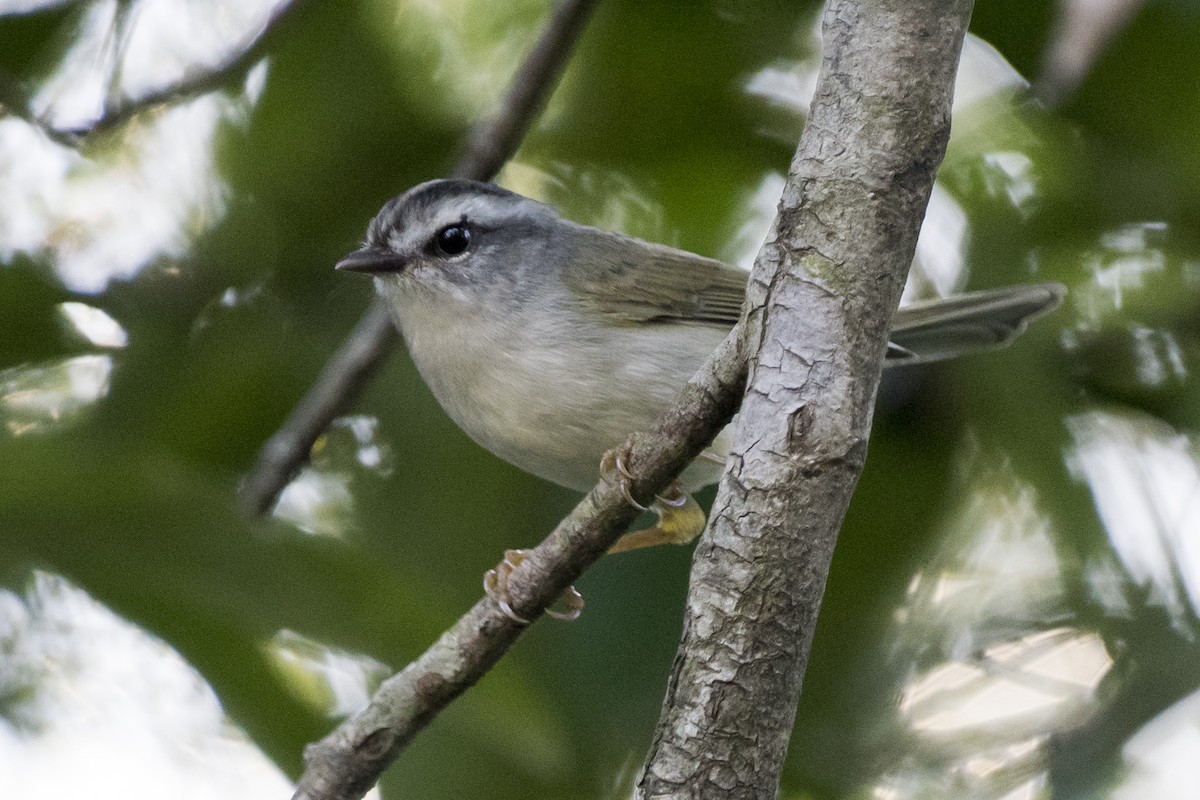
x=820 y=300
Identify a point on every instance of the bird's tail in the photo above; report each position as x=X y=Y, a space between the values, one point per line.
x=932 y=330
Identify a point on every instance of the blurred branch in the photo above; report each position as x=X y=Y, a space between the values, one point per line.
x=349 y=761
x=817 y=315
x=16 y=101
x=492 y=142
x=1082 y=30
x=118 y=40
x=1083 y=761
x=340 y=383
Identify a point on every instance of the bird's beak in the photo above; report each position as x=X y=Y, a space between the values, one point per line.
x=372 y=260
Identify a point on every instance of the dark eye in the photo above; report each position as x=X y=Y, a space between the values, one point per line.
x=453 y=240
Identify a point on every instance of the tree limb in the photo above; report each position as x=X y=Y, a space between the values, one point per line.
x=492 y=142
x=15 y=100
x=819 y=304
x=345 y=764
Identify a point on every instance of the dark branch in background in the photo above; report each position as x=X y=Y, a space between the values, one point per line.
x=1085 y=761
x=492 y=142
x=819 y=304
x=16 y=101
x=345 y=764
x=340 y=383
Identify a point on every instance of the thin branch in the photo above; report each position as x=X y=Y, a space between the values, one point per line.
x=1084 y=761
x=349 y=761
x=343 y=380
x=16 y=102
x=492 y=142
x=198 y=82
x=818 y=309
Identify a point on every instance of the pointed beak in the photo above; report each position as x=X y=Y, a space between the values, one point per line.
x=372 y=260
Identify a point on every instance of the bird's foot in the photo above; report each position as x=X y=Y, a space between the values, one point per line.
x=680 y=520
x=614 y=470
x=495 y=586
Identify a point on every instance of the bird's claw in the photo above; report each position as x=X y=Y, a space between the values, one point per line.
x=680 y=518
x=614 y=471
x=495 y=586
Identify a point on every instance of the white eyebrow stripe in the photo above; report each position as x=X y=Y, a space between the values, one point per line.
x=482 y=209
x=409 y=222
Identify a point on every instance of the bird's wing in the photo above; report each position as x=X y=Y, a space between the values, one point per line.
x=631 y=282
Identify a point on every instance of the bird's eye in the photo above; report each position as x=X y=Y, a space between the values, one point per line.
x=453 y=240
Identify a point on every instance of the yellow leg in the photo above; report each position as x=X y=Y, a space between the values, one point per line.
x=680 y=520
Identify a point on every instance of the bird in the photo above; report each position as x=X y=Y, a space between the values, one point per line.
x=549 y=342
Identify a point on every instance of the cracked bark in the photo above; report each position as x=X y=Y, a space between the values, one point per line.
x=820 y=299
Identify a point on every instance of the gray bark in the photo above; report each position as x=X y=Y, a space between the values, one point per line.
x=818 y=309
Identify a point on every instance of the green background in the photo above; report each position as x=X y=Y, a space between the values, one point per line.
x=132 y=498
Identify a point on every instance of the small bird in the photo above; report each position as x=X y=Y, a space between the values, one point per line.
x=550 y=342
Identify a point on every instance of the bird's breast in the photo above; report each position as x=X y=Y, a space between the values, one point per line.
x=549 y=396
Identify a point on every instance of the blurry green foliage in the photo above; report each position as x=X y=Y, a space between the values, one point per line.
x=132 y=499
